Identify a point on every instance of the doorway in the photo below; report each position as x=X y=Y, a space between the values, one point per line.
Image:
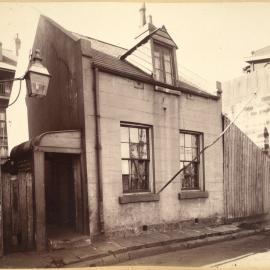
x=62 y=203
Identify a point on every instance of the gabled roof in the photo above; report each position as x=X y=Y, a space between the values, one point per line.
x=159 y=34
x=109 y=57
x=9 y=58
x=7 y=66
x=163 y=36
x=9 y=54
x=103 y=46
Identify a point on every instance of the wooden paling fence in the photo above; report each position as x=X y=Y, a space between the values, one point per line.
x=246 y=175
x=17 y=211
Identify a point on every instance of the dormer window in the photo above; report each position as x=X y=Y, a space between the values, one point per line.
x=163 y=64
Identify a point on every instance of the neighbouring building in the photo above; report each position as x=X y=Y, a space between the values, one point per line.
x=8 y=63
x=256 y=116
x=258 y=59
x=115 y=126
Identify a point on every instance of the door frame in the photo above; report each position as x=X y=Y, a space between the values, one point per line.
x=67 y=142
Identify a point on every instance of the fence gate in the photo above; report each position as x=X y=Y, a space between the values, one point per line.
x=17 y=196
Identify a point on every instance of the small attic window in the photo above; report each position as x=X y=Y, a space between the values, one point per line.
x=163 y=64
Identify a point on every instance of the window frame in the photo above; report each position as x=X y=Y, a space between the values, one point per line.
x=200 y=163
x=3 y=134
x=149 y=159
x=161 y=48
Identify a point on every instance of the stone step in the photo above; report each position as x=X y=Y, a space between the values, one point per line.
x=68 y=243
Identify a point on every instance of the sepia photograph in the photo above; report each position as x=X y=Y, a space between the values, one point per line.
x=134 y=135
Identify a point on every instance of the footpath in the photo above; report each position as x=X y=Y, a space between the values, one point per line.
x=113 y=251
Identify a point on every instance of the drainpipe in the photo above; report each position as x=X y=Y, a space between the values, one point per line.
x=266 y=141
x=1 y=52
x=98 y=150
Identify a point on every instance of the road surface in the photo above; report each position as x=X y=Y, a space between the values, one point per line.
x=251 y=252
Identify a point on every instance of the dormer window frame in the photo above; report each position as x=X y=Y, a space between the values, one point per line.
x=162 y=48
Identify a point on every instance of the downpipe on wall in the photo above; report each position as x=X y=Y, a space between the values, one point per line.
x=98 y=148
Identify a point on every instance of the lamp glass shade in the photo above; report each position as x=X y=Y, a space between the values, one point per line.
x=37 y=84
x=37 y=77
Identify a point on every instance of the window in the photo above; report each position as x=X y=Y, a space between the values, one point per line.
x=163 y=64
x=135 y=158
x=3 y=151
x=190 y=146
x=3 y=129
x=2 y=116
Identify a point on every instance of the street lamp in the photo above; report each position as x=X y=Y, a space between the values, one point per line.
x=37 y=77
x=37 y=81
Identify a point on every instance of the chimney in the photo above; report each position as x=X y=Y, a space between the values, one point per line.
x=142 y=15
x=17 y=44
x=1 y=52
x=146 y=26
x=149 y=19
x=252 y=63
x=219 y=88
x=266 y=140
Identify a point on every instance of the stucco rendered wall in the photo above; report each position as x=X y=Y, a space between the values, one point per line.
x=255 y=115
x=121 y=101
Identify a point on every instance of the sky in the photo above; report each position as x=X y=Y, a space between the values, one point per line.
x=213 y=38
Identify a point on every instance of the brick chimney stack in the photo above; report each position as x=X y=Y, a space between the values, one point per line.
x=142 y=15
x=17 y=44
x=146 y=24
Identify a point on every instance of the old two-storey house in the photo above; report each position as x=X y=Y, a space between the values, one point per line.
x=254 y=120
x=114 y=128
x=8 y=63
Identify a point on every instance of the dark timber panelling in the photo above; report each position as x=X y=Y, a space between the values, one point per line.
x=246 y=175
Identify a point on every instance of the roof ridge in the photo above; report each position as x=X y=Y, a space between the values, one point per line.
x=268 y=46
x=99 y=40
x=60 y=27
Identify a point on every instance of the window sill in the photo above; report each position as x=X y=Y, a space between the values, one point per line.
x=134 y=198
x=190 y=194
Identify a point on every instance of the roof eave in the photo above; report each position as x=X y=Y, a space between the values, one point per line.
x=152 y=81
